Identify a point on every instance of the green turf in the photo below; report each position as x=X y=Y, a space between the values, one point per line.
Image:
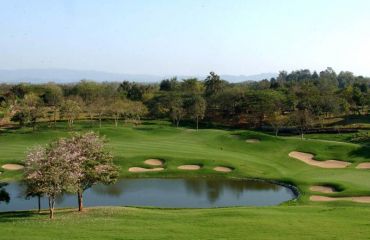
x=208 y=147
x=298 y=222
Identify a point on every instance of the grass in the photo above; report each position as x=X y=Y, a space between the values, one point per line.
x=299 y=222
x=208 y=147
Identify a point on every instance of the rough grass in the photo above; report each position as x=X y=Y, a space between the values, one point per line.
x=208 y=147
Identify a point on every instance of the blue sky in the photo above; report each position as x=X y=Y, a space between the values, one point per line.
x=186 y=36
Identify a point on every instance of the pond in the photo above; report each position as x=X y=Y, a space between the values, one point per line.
x=164 y=193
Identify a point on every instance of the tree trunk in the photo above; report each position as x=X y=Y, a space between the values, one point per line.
x=99 y=122
x=116 y=122
x=177 y=123
x=80 y=200
x=55 y=116
x=276 y=132
x=51 y=207
x=39 y=202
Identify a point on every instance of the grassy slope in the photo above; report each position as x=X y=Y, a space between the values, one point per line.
x=268 y=159
x=298 y=222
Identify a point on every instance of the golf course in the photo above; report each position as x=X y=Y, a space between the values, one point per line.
x=333 y=189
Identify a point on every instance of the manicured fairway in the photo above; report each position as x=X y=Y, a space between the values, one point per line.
x=208 y=148
x=284 y=222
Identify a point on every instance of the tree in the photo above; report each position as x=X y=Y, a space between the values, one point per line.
x=70 y=110
x=192 y=86
x=302 y=119
x=33 y=190
x=20 y=90
x=29 y=110
x=262 y=103
x=50 y=171
x=359 y=98
x=117 y=109
x=100 y=107
x=136 y=110
x=33 y=108
x=53 y=97
x=4 y=109
x=95 y=162
x=68 y=165
x=169 y=84
x=87 y=90
x=19 y=117
x=213 y=84
x=176 y=108
x=136 y=92
x=197 y=108
x=277 y=121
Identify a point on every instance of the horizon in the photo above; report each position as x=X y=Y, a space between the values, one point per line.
x=42 y=76
x=185 y=37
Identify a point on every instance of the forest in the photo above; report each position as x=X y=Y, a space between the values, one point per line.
x=300 y=101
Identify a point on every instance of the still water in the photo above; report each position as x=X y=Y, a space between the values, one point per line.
x=165 y=193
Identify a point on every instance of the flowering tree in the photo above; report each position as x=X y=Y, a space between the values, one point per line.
x=68 y=165
x=50 y=171
x=95 y=163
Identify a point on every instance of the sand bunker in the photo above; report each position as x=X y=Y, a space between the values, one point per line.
x=316 y=198
x=365 y=165
x=222 y=169
x=189 y=167
x=253 y=140
x=322 y=189
x=308 y=159
x=12 y=167
x=154 y=162
x=140 y=169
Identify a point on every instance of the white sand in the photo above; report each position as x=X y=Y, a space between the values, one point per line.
x=12 y=167
x=322 y=189
x=363 y=199
x=189 y=167
x=308 y=159
x=140 y=169
x=253 y=140
x=154 y=162
x=365 y=165
x=222 y=169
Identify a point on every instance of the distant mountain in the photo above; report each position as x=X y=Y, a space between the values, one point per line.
x=242 y=78
x=68 y=76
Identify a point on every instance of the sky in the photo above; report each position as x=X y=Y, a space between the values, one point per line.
x=186 y=37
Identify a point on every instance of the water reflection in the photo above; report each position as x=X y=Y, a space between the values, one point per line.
x=183 y=193
x=214 y=188
x=4 y=195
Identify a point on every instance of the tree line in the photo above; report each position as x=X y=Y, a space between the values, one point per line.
x=300 y=99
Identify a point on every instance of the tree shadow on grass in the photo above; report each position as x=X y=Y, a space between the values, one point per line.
x=32 y=215
x=363 y=151
x=12 y=216
x=143 y=128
